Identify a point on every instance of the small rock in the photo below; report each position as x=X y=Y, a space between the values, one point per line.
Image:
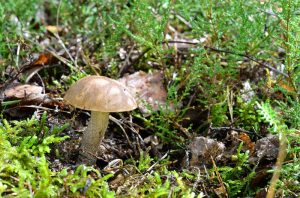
x=203 y=149
x=265 y=149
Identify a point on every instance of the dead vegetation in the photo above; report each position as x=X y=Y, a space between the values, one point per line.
x=216 y=87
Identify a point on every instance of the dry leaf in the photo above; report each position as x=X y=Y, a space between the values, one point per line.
x=34 y=67
x=30 y=94
x=248 y=144
x=148 y=88
x=23 y=91
x=43 y=59
x=53 y=29
x=220 y=191
x=286 y=86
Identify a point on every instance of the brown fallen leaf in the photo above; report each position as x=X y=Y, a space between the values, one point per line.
x=117 y=181
x=37 y=65
x=147 y=88
x=43 y=59
x=284 y=88
x=23 y=91
x=248 y=144
x=220 y=192
x=261 y=176
x=53 y=29
x=262 y=193
x=30 y=95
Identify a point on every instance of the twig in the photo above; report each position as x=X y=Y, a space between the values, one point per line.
x=57 y=13
x=153 y=165
x=234 y=129
x=42 y=82
x=183 y=20
x=266 y=65
x=184 y=130
x=139 y=57
x=55 y=54
x=219 y=177
x=115 y=120
x=38 y=107
x=126 y=65
x=18 y=55
x=129 y=125
x=88 y=62
x=198 y=178
x=58 y=37
x=64 y=47
x=77 y=54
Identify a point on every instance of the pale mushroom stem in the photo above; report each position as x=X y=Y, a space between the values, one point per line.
x=92 y=137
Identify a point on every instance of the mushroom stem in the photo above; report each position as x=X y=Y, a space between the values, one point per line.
x=92 y=137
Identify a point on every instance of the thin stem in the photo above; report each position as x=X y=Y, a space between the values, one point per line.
x=92 y=137
x=288 y=48
x=278 y=166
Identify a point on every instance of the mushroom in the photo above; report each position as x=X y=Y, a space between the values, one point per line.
x=100 y=95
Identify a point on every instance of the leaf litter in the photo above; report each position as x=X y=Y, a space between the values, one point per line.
x=150 y=90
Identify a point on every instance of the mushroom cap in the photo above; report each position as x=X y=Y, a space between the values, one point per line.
x=100 y=93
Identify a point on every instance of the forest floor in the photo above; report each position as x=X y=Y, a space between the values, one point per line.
x=217 y=87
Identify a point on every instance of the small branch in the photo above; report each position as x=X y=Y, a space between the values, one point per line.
x=266 y=65
x=184 y=130
x=151 y=167
x=38 y=107
x=126 y=64
x=115 y=120
x=234 y=129
x=139 y=57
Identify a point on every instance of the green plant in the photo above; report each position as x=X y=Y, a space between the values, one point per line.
x=81 y=181
x=144 y=161
x=290 y=177
x=284 y=126
x=25 y=170
x=270 y=116
x=224 y=43
x=158 y=181
x=291 y=112
x=246 y=115
x=236 y=179
x=165 y=122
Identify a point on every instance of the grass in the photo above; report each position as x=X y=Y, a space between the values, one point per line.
x=254 y=41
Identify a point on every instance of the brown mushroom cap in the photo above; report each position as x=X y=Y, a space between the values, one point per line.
x=99 y=93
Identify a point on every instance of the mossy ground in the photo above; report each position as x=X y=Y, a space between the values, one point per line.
x=230 y=72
